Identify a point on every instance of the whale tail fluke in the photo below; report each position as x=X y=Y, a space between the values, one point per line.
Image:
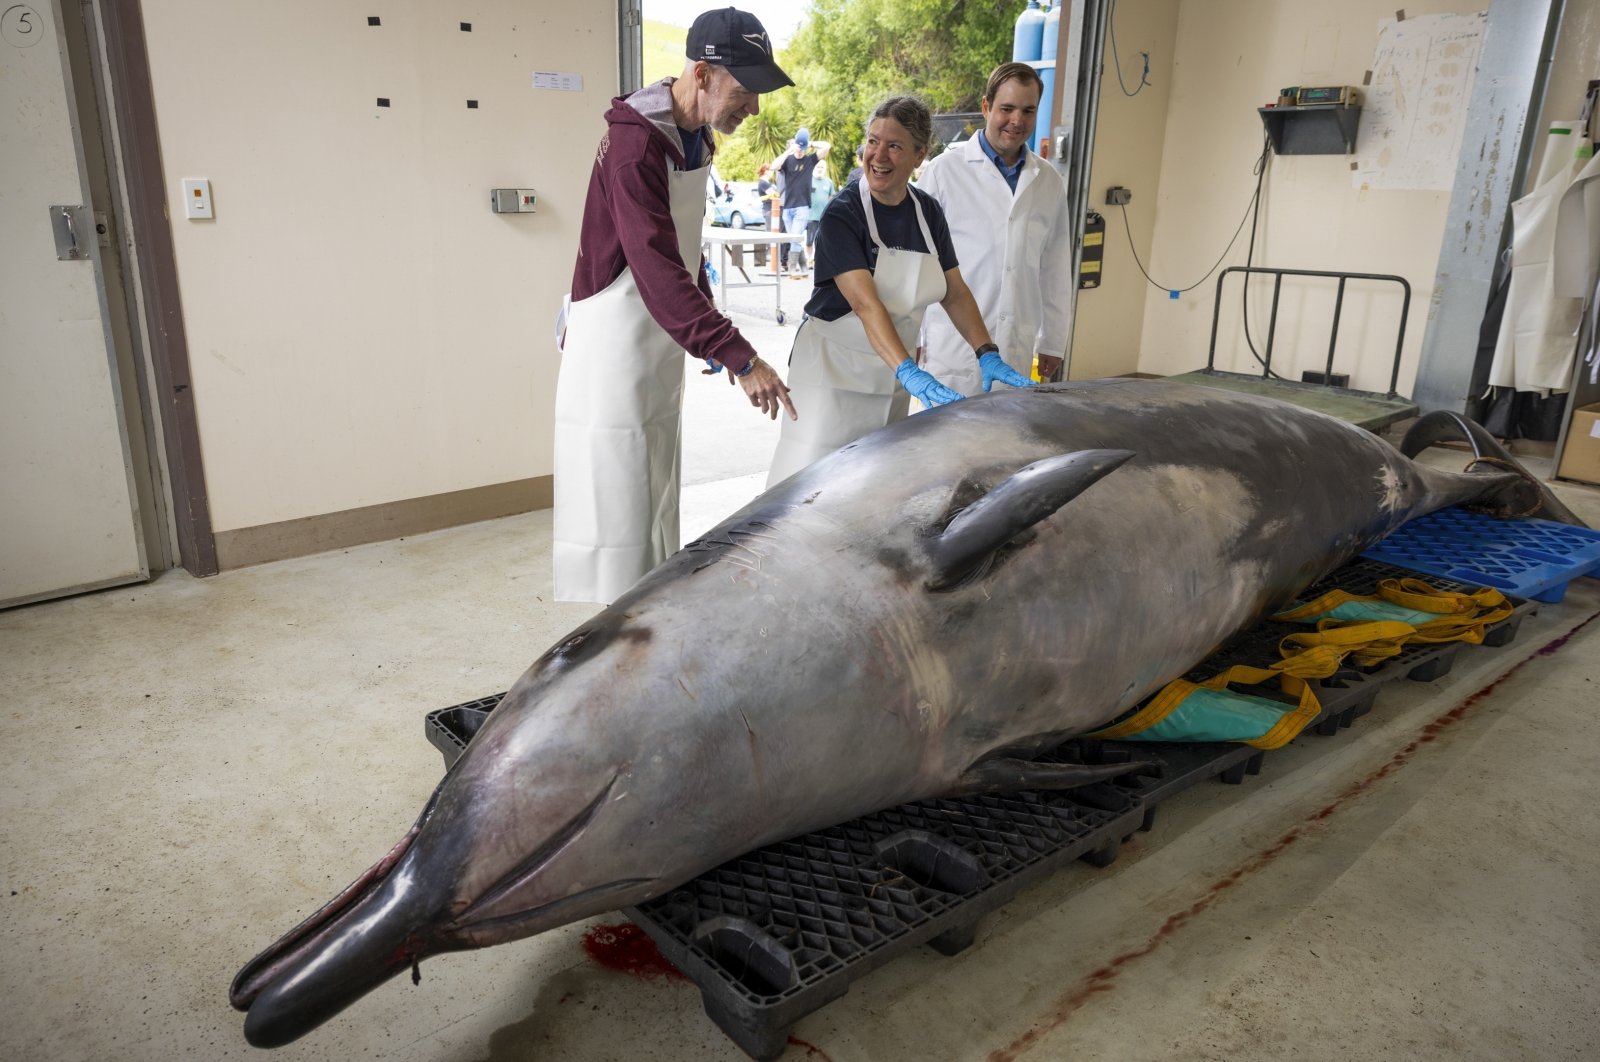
x=1525 y=496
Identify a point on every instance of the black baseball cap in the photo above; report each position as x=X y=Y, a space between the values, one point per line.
x=736 y=40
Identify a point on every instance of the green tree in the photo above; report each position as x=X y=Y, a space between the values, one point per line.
x=846 y=57
x=850 y=54
x=735 y=160
x=941 y=50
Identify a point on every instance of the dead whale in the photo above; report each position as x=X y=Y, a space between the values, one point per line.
x=917 y=614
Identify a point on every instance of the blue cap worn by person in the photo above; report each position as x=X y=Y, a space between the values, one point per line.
x=736 y=40
x=803 y=138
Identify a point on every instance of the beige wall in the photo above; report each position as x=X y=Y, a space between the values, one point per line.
x=362 y=328
x=1129 y=135
x=1232 y=57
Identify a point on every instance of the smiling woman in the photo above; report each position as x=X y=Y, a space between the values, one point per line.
x=897 y=143
x=883 y=257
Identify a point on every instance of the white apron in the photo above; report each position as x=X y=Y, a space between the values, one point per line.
x=619 y=401
x=1537 y=338
x=1577 y=257
x=840 y=386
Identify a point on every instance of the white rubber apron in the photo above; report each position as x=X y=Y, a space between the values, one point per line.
x=619 y=401
x=840 y=386
x=1537 y=340
x=1577 y=257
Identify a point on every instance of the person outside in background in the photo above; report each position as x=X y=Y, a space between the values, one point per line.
x=770 y=188
x=640 y=299
x=1010 y=226
x=821 y=192
x=884 y=257
x=855 y=171
x=796 y=169
x=767 y=192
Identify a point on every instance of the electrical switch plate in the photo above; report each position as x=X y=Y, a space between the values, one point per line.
x=197 y=198
x=513 y=200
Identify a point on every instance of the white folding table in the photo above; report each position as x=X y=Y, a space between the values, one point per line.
x=720 y=238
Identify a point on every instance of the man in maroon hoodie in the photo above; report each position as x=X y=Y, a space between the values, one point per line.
x=641 y=298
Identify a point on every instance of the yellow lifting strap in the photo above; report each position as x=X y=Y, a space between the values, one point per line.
x=1461 y=618
x=1281 y=733
x=1318 y=654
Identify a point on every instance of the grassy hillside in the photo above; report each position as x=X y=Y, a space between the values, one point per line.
x=663 y=50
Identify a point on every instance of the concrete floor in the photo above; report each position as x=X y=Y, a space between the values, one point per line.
x=198 y=764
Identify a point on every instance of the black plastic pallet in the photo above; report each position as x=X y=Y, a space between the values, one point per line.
x=777 y=933
x=773 y=935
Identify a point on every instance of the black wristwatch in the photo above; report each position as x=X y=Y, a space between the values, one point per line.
x=987 y=348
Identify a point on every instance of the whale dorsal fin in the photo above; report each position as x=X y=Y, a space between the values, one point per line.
x=1032 y=493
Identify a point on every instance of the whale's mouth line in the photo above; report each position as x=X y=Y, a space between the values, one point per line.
x=492 y=930
x=488 y=908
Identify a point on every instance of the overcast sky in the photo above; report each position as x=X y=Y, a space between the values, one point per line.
x=780 y=17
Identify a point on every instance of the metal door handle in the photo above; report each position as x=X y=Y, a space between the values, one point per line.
x=66 y=231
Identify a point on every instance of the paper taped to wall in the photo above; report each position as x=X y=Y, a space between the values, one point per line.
x=560 y=82
x=1416 y=106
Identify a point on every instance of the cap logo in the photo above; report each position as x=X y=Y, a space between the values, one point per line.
x=759 y=40
x=711 y=50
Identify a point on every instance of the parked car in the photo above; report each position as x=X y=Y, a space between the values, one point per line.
x=738 y=206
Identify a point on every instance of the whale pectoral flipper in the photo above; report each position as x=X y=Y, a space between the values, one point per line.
x=1005 y=775
x=1026 y=497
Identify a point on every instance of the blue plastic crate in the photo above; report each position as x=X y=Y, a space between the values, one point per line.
x=1528 y=558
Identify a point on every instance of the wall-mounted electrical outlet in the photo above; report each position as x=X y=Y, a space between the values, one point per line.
x=1117 y=195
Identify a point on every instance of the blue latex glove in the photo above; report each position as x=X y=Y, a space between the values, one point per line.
x=923 y=387
x=995 y=368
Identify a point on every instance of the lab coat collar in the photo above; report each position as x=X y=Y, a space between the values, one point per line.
x=972 y=151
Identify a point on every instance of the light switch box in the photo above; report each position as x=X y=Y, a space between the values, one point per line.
x=197 y=198
x=513 y=200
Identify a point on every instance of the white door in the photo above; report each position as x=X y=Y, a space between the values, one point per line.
x=67 y=520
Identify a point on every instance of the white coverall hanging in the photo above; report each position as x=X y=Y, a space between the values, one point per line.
x=1537 y=334
x=1577 y=256
x=1015 y=249
x=619 y=403
x=840 y=385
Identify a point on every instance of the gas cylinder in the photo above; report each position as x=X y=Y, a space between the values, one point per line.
x=1028 y=36
x=1050 y=33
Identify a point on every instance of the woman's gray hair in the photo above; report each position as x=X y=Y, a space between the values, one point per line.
x=909 y=112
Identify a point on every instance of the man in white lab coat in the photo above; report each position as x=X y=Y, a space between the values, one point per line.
x=1008 y=219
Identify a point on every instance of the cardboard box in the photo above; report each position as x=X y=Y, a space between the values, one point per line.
x=1581 y=457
